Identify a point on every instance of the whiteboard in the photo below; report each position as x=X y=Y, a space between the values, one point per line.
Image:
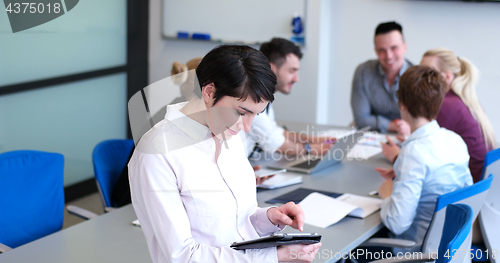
x=232 y=21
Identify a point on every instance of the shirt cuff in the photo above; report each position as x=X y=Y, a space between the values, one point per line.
x=266 y=255
x=262 y=224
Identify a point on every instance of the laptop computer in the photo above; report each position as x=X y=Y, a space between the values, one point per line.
x=312 y=163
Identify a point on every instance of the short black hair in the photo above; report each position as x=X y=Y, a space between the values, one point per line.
x=277 y=49
x=237 y=71
x=384 y=28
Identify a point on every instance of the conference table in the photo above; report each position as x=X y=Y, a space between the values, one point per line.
x=349 y=176
x=112 y=237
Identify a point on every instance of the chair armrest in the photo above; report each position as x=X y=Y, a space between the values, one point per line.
x=388 y=242
x=109 y=209
x=80 y=212
x=4 y=248
x=420 y=258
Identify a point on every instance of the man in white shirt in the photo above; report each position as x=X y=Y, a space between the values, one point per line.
x=265 y=134
x=433 y=161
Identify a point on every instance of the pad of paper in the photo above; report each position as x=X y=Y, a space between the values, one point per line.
x=363 y=152
x=337 y=133
x=322 y=211
x=366 y=205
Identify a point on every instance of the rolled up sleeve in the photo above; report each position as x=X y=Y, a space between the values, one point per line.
x=262 y=224
x=398 y=211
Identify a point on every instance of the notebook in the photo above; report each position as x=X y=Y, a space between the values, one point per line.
x=363 y=152
x=297 y=195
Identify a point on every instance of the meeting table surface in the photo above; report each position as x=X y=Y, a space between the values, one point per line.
x=112 y=237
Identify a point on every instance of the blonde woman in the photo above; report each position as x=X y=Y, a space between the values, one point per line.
x=460 y=111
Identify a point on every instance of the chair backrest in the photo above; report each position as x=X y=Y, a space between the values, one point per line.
x=454 y=245
x=490 y=213
x=148 y=106
x=472 y=196
x=109 y=159
x=492 y=167
x=31 y=196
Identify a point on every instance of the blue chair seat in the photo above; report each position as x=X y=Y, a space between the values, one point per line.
x=109 y=158
x=31 y=196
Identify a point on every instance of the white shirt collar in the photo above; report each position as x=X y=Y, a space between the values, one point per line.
x=402 y=70
x=194 y=129
x=423 y=131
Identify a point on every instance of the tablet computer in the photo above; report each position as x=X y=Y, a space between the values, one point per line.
x=278 y=239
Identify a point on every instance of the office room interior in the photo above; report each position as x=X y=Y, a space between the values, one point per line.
x=65 y=84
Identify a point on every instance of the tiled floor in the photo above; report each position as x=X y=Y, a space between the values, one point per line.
x=90 y=202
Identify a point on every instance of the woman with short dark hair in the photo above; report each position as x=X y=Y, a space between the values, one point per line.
x=192 y=186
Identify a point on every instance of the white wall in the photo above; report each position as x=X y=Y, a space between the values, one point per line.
x=339 y=36
x=470 y=29
x=162 y=53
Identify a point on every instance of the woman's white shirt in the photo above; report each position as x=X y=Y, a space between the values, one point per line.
x=192 y=207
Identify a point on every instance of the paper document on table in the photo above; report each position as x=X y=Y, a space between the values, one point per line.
x=337 y=133
x=322 y=211
x=366 y=205
x=363 y=152
x=375 y=138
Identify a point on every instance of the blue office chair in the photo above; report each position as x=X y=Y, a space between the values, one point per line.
x=109 y=158
x=490 y=214
x=472 y=196
x=454 y=243
x=31 y=196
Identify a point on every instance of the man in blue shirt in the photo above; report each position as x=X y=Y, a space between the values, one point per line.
x=433 y=161
x=375 y=83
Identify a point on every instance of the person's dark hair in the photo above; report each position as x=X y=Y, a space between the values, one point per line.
x=384 y=28
x=237 y=71
x=277 y=49
x=421 y=90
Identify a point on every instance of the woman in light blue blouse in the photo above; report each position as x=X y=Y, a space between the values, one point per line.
x=433 y=161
